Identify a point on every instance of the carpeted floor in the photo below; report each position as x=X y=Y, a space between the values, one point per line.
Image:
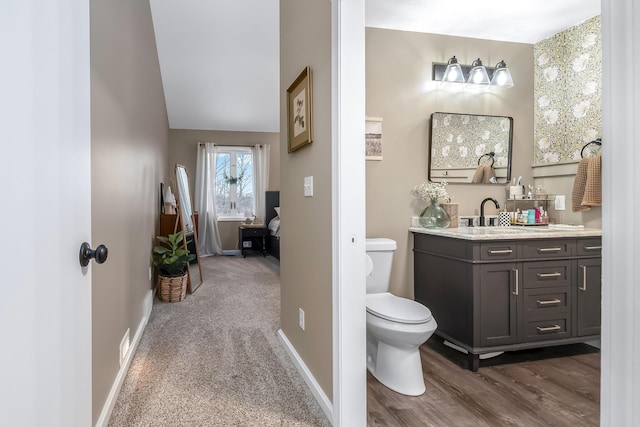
x=214 y=359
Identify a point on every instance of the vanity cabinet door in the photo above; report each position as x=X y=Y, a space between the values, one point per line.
x=499 y=287
x=589 y=296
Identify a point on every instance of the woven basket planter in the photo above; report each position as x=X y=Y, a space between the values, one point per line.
x=172 y=288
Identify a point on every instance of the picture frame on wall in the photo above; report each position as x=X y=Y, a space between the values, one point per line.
x=373 y=138
x=299 y=112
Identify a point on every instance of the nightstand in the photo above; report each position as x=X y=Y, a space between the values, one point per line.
x=252 y=239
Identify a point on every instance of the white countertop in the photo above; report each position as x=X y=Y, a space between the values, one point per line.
x=508 y=233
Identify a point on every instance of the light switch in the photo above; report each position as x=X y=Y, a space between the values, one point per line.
x=559 y=203
x=308 y=186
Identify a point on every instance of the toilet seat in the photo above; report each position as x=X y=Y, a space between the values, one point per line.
x=396 y=309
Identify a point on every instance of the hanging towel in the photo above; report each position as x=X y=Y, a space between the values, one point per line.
x=478 y=176
x=593 y=187
x=587 y=186
x=483 y=174
x=489 y=172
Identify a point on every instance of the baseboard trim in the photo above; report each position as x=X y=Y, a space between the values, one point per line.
x=103 y=420
x=307 y=376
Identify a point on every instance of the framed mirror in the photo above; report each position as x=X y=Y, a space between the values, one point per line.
x=470 y=148
x=189 y=223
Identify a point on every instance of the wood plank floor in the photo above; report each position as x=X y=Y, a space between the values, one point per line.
x=556 y=386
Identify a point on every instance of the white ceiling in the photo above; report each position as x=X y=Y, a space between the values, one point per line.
x=524 y=21
x=220 y=63
x=220 y=59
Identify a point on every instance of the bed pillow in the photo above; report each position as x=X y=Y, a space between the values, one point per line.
x=277 y=209
x=274 y=226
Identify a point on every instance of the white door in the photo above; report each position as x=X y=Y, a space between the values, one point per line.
x=45 y=213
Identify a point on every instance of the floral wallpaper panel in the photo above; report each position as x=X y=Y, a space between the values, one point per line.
x=567 y=91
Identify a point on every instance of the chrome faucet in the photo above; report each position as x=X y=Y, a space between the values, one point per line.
x=495 y=202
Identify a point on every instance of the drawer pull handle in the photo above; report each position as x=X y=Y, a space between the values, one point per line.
x=549 y=249
x=515 y=270
x=501 y=251
x=547 y=275
x=549 y=328
x=592 y=248
x=584 y=278
x=549 y=301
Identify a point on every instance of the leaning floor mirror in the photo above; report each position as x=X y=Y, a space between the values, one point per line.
x=188 y=222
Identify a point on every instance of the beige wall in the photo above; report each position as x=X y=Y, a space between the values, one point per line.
x=564 y=185
x=182 y=149
x=305 y=265
x=400 y=90
x=129 y=131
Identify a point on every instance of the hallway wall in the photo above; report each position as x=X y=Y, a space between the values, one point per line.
x=129 y=157
x=306 y=233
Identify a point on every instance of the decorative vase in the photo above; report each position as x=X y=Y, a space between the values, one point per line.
x=433 y=216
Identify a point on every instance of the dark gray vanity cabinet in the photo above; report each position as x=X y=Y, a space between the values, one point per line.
x=509 y=294
x=588 y=299
x=498 y=304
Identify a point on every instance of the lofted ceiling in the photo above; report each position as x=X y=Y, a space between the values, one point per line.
x=220 y=59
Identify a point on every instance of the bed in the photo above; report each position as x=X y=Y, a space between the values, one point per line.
x=272 y=219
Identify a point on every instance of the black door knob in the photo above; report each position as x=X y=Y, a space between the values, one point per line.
x=86 y=253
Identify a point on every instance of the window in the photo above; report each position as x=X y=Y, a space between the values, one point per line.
x=234 y=182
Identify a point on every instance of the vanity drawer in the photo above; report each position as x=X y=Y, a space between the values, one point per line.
x=548 y=248
x=496 y=251
x=545 y=303
x=544 y=274
x=549 y=329
x=589 y=247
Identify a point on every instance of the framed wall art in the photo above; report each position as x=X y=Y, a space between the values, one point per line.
x=299 y=113
x=373 y=138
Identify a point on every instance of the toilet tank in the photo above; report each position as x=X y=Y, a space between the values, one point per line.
x=380 y=250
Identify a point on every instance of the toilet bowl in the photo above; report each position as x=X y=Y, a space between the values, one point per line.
x=396 y=327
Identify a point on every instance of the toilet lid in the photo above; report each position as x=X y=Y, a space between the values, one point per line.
x=390 y=307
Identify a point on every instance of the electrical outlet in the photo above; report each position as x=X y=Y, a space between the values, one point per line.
x=301 y=318
x=124 y=347
x=559 y=203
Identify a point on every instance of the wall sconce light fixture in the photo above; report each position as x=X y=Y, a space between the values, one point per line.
x=474 y=74
x=478 y=74
x=453 y=72
x=502 y=75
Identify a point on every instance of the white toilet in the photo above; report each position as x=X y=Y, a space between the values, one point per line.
x=396 y=327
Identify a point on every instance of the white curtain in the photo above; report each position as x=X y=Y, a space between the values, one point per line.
x=205 y=201
x=260 y=177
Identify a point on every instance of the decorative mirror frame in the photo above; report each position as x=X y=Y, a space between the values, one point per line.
x=187 y=219
x=494 y=141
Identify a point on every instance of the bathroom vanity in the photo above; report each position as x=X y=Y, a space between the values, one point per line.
x=509 y=288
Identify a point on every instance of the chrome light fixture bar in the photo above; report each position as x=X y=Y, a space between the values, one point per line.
x=475 y=74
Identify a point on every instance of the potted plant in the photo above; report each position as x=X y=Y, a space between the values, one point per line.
x=172 y=260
